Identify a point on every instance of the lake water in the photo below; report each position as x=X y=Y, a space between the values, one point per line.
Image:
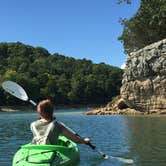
x=141 y=138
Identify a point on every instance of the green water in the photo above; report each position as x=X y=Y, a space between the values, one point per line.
x=141 y=138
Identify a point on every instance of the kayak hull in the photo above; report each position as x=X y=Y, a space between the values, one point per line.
x=66 y=153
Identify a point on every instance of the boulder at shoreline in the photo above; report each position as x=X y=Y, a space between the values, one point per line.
x=115 y=107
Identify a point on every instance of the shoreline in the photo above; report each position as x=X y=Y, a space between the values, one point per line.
x=118 y=106
x=126 y=111
x=14 y=108
x=88 y=112
x=30 y=108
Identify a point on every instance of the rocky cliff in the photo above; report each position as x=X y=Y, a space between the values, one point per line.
x=144 y=82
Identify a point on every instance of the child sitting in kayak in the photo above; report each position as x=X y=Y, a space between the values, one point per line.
x=47 y=129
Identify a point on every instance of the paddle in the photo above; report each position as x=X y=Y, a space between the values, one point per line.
x=101 y=153
x=17 y=91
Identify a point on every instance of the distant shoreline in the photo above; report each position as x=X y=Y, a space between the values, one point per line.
x=30 y=108
x=14 y=108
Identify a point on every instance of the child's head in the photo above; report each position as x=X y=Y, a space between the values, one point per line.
x=45 y=109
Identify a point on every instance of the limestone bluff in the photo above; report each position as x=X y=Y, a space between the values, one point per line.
x=143 y=89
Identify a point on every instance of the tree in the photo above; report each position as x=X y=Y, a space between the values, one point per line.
x=148 y=25
x=65 y=80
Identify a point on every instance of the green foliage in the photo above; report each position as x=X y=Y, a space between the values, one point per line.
x=65 y=80
x=148 y=25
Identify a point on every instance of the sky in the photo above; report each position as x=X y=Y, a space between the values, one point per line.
x=75 y=28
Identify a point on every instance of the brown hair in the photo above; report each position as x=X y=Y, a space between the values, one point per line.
x=45 y=109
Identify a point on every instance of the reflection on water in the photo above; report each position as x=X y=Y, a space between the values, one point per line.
x=148 y=141
x=140 y=138
x=13 y=133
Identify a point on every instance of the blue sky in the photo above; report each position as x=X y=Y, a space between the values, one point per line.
x=75 y=28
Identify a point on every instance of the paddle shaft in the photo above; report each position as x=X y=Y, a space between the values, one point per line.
x=32 y=102
x=94 y=148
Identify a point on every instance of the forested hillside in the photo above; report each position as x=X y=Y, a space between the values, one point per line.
x=65 y=80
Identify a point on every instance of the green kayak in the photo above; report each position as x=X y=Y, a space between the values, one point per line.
x=66 y=153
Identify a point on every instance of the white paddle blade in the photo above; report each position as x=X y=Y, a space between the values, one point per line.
x=15 y=90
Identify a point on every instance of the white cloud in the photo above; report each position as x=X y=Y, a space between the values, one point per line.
x=123 y=66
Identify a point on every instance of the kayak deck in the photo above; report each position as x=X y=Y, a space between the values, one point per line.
x=66 y=153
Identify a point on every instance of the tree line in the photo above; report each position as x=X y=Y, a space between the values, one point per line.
x=63 y=79
x=147 y=26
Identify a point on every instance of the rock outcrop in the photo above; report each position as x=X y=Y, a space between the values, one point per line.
x=144 y=82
